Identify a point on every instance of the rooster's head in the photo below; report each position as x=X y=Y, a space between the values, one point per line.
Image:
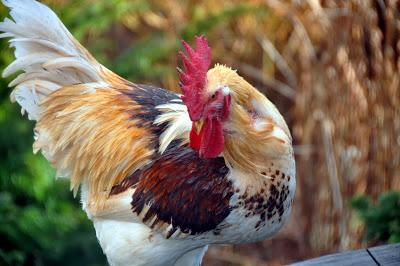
x=208 y=107
x=221 y=103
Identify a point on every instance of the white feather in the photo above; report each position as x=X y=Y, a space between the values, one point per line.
x=73 y=62
x=25 y=98
x=46 y=52
x=179 y=123
x=45 y=43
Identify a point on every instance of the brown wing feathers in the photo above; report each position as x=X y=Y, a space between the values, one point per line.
x=178 y=190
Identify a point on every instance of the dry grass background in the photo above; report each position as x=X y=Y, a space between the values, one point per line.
x=339 y=65
x=331 y=67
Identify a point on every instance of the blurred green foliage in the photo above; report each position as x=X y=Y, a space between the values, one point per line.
x=382 y=220
x=41 y=223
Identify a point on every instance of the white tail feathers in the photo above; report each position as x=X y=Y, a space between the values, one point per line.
x=46 y=52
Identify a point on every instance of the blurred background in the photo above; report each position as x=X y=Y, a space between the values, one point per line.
x=331 y=67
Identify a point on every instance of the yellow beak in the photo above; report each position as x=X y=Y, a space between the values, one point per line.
x=198 y=125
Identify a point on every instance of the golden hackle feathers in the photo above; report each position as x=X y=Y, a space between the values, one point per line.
x=255 y=129
x=247 y=146
x=91 y=137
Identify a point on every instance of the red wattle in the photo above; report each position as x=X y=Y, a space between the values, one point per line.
x=212 y=138
x=195 y=139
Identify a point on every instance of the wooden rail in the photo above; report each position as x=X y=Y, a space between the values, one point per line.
x=387 y=255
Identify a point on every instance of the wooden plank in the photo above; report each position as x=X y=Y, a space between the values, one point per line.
x=349 y=258
x=388 y=255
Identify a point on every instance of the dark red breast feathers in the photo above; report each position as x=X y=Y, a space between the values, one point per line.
x=190 y=193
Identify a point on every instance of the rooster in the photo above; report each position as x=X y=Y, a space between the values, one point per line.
x=161 y=175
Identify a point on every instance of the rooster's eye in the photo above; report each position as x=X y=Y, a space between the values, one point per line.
x=213 y=96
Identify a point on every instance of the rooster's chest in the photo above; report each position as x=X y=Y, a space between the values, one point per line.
x=259 y=212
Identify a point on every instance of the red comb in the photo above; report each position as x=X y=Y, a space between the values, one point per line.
x=193 y=78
